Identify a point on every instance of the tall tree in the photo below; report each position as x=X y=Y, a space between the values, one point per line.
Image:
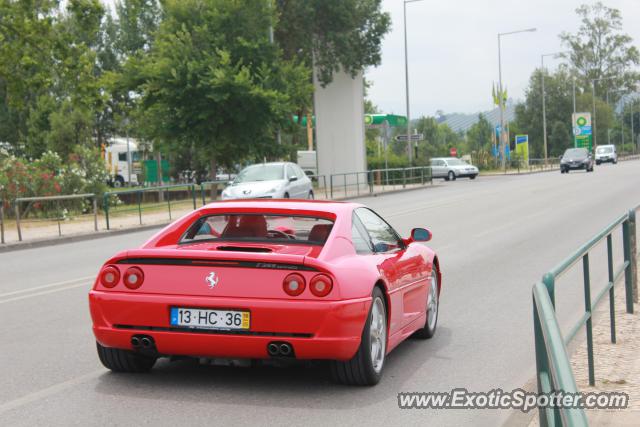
x=600 y=50
x=213 y=80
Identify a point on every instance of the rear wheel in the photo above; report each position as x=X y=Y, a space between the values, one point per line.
x=472 y=176
x=365 y=368
x=286 y=195
x=310 y=195
x=433 y=303
x=123 y=360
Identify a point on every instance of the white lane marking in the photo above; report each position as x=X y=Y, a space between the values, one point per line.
x=51 y=285
x=49 y=391
x=50 y=291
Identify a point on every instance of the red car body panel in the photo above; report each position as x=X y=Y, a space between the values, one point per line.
x=327 y=327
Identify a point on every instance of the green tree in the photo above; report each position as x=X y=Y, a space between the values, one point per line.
x=599 y=49
x=479 y=135
x=213 y=80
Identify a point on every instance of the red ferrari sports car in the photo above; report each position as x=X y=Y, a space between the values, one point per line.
x=277 y=279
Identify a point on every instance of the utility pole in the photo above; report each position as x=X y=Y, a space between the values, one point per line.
x=406 y=78
x=500 y=92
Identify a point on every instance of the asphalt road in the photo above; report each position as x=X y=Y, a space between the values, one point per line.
x=495 y=236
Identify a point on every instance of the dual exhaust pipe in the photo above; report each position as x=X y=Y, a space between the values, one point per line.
x=143 y=342
x=280 y=349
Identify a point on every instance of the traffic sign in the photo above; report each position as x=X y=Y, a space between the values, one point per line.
x=453 y=152
x=414 y=137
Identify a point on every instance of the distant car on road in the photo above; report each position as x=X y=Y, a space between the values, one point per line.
x=281 y=180
x=606 y=153
x=269 y=279
x=576 y=158
x=451 y=168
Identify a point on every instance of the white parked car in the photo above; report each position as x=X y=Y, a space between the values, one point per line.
x=606 y=153
x=282 y=180
x=451 y=168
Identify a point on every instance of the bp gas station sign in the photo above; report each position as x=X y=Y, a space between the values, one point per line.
x=582 y=133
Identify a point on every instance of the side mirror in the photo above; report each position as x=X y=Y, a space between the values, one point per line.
x=420 y=235
x=293 y=178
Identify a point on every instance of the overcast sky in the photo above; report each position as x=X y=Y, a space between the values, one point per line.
x=453 y=50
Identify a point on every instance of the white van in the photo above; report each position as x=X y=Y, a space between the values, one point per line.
x=606 y=153
x=115 y=155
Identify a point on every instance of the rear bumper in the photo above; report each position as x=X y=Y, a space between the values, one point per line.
x=315 y=329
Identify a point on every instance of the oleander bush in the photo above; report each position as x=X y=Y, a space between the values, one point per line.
x=83 y=171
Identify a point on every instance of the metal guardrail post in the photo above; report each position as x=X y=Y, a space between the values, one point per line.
x=628 y=273
x=633 y=248
x=612 y=304
x=588 y=309
x=58 y=213
x=106 y=208
x=550 y=283
x=169 y=202
x=1 y=221
x=193 y=196
x=204 y=201
x=542 y=361
x=421 y=176
x=344 y=180
x=95 y=212
x=371 y=181
x=404 y=177
x=139 y=197
x=331 y=184
x=17 y=209
x=357 y=183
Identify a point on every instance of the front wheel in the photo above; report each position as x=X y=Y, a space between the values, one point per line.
x=451 y=176
x=310 y=195
x=365 y=368
x=473 y=177
x=119 y=360
x=286 y=195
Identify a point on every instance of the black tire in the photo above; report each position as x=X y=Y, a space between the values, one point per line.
x=286 y=195
x=359 y=370
x=598 y=163
x=123 y=360
x=310 y=197
x=118 y=182
x=451 y=176
x=472 y=176
x=428 y=331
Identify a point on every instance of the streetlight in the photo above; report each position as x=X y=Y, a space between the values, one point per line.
x=544 y=103
x=501 y=103
x=593 y=102
x=406 y=77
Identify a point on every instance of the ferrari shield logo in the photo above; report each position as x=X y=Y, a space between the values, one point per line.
x=212 y=279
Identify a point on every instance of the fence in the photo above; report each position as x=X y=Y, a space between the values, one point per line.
x=359 y=183
x=151 y=199
x=60 y=211
x=553 y=369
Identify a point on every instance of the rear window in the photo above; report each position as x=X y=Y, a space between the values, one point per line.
x=243 y=227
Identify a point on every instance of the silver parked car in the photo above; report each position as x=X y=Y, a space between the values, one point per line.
x=282 y=180
x=451 y=168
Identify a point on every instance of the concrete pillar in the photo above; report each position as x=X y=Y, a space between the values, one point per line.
x=339 y=110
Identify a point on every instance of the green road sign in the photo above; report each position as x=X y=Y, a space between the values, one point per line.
x=582 y=133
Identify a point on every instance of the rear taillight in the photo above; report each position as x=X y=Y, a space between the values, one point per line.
x=109 y=276
x=293 y=284
x=321 y=285
x=133 y=278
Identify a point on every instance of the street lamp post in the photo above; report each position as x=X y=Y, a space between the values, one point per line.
x=574 y=94
x=406 y=77
x=593 y=102
x=500 y=92
x=544 y=103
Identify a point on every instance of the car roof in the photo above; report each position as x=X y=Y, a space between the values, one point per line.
x=268 y=163
x=445 y=158
x=329 y=206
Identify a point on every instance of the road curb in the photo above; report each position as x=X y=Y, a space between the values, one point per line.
x=39 y=243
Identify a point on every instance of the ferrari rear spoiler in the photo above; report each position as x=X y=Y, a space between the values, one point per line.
x=213 y=258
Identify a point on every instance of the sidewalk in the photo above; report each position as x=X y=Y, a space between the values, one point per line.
x=617 y=366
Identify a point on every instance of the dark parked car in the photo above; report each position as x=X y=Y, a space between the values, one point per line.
x=576 y=158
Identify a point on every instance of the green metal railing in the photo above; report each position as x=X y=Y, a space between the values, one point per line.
x=553 y=368
x=343 y=184
x=164 y=195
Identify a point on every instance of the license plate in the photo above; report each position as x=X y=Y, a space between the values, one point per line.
x=199 y=318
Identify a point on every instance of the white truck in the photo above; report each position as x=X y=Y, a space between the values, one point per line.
x=307 y=162
x=115 y=155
